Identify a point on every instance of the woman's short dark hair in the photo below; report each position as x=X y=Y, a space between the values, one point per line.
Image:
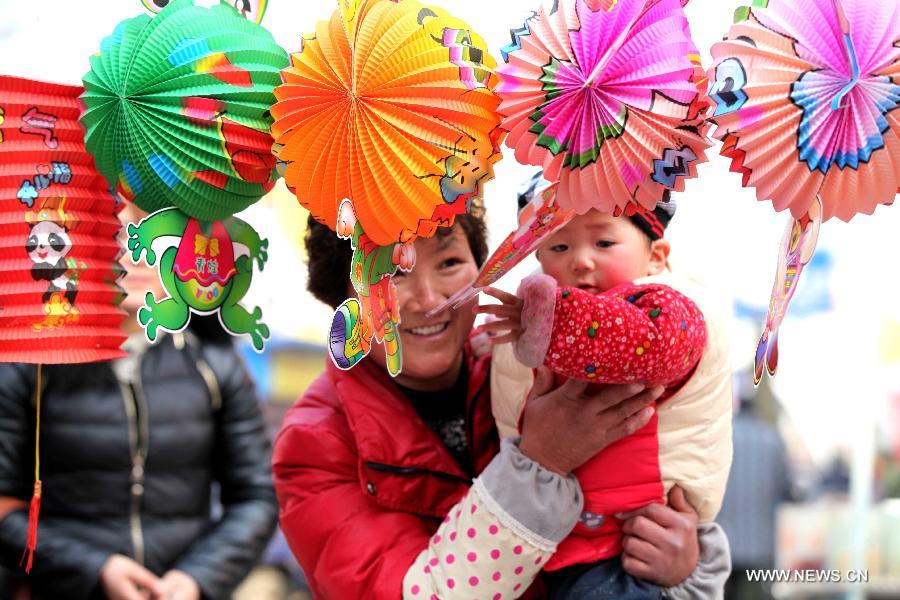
x=329 y=257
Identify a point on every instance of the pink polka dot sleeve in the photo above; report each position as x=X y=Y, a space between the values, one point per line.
x=479 y=551
x=649 y=334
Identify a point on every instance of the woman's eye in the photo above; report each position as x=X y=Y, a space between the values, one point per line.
x=451 y=262
x=605 y=244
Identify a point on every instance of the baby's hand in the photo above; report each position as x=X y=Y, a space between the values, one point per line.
x=508 y=317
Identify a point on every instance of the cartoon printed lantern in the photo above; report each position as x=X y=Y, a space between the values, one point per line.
x=806 y=96
x=387 y=126
x=58 y=242
x=58 y=226
x=176 y=109
x=607 y=96
x=177 y=118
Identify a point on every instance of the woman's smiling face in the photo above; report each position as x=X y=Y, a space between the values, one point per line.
x=433 y=346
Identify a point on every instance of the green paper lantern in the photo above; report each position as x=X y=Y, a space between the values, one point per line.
x=177 y=109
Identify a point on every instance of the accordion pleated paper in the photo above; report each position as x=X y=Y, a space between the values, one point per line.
x=176 y=109
x=59 y=297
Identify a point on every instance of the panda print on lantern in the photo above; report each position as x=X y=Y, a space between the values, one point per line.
x=48 y=245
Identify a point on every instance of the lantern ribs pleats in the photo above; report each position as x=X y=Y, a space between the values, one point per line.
x=58 y=233
x=805 y=96
x=387 y=127
x=177 y=109
x=608 y=98
x=391 y=106
x=177 y=117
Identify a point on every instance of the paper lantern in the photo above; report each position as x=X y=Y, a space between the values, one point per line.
x=58 y=243
x=608 y=98
x=389 y=105
x=58 y=227
x=805 y=96
x=177 y=109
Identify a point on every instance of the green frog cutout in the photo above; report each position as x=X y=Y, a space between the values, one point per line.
x=201 y=273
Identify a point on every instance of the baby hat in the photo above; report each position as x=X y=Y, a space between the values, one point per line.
x=652 y=223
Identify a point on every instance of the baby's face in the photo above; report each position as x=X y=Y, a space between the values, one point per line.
x=596 y=252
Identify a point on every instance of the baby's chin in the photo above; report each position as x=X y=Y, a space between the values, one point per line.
x=591 y=288
x=593 y=285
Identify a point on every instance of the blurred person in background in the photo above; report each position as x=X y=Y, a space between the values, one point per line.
x=758 y=483
x=834 y=480
x=130 y=451
x=890 y=476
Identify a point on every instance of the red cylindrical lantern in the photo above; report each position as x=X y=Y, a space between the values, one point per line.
x=58 y=233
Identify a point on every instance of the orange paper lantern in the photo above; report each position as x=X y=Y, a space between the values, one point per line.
x=391 y=106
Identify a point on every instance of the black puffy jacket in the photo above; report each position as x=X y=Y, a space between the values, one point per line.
x=128 y=469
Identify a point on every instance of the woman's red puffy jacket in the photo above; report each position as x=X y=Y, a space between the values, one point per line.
x=363 y=483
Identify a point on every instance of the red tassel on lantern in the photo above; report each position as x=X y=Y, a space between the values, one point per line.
x=34 y=512
x=34 y=509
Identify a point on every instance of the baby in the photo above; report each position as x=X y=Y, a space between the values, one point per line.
x=607 y=309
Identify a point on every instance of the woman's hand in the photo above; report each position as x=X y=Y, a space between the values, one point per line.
x=562 y=428
x=124 y=579
x=660 y=543
x=508 y=317
x=178 y=585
